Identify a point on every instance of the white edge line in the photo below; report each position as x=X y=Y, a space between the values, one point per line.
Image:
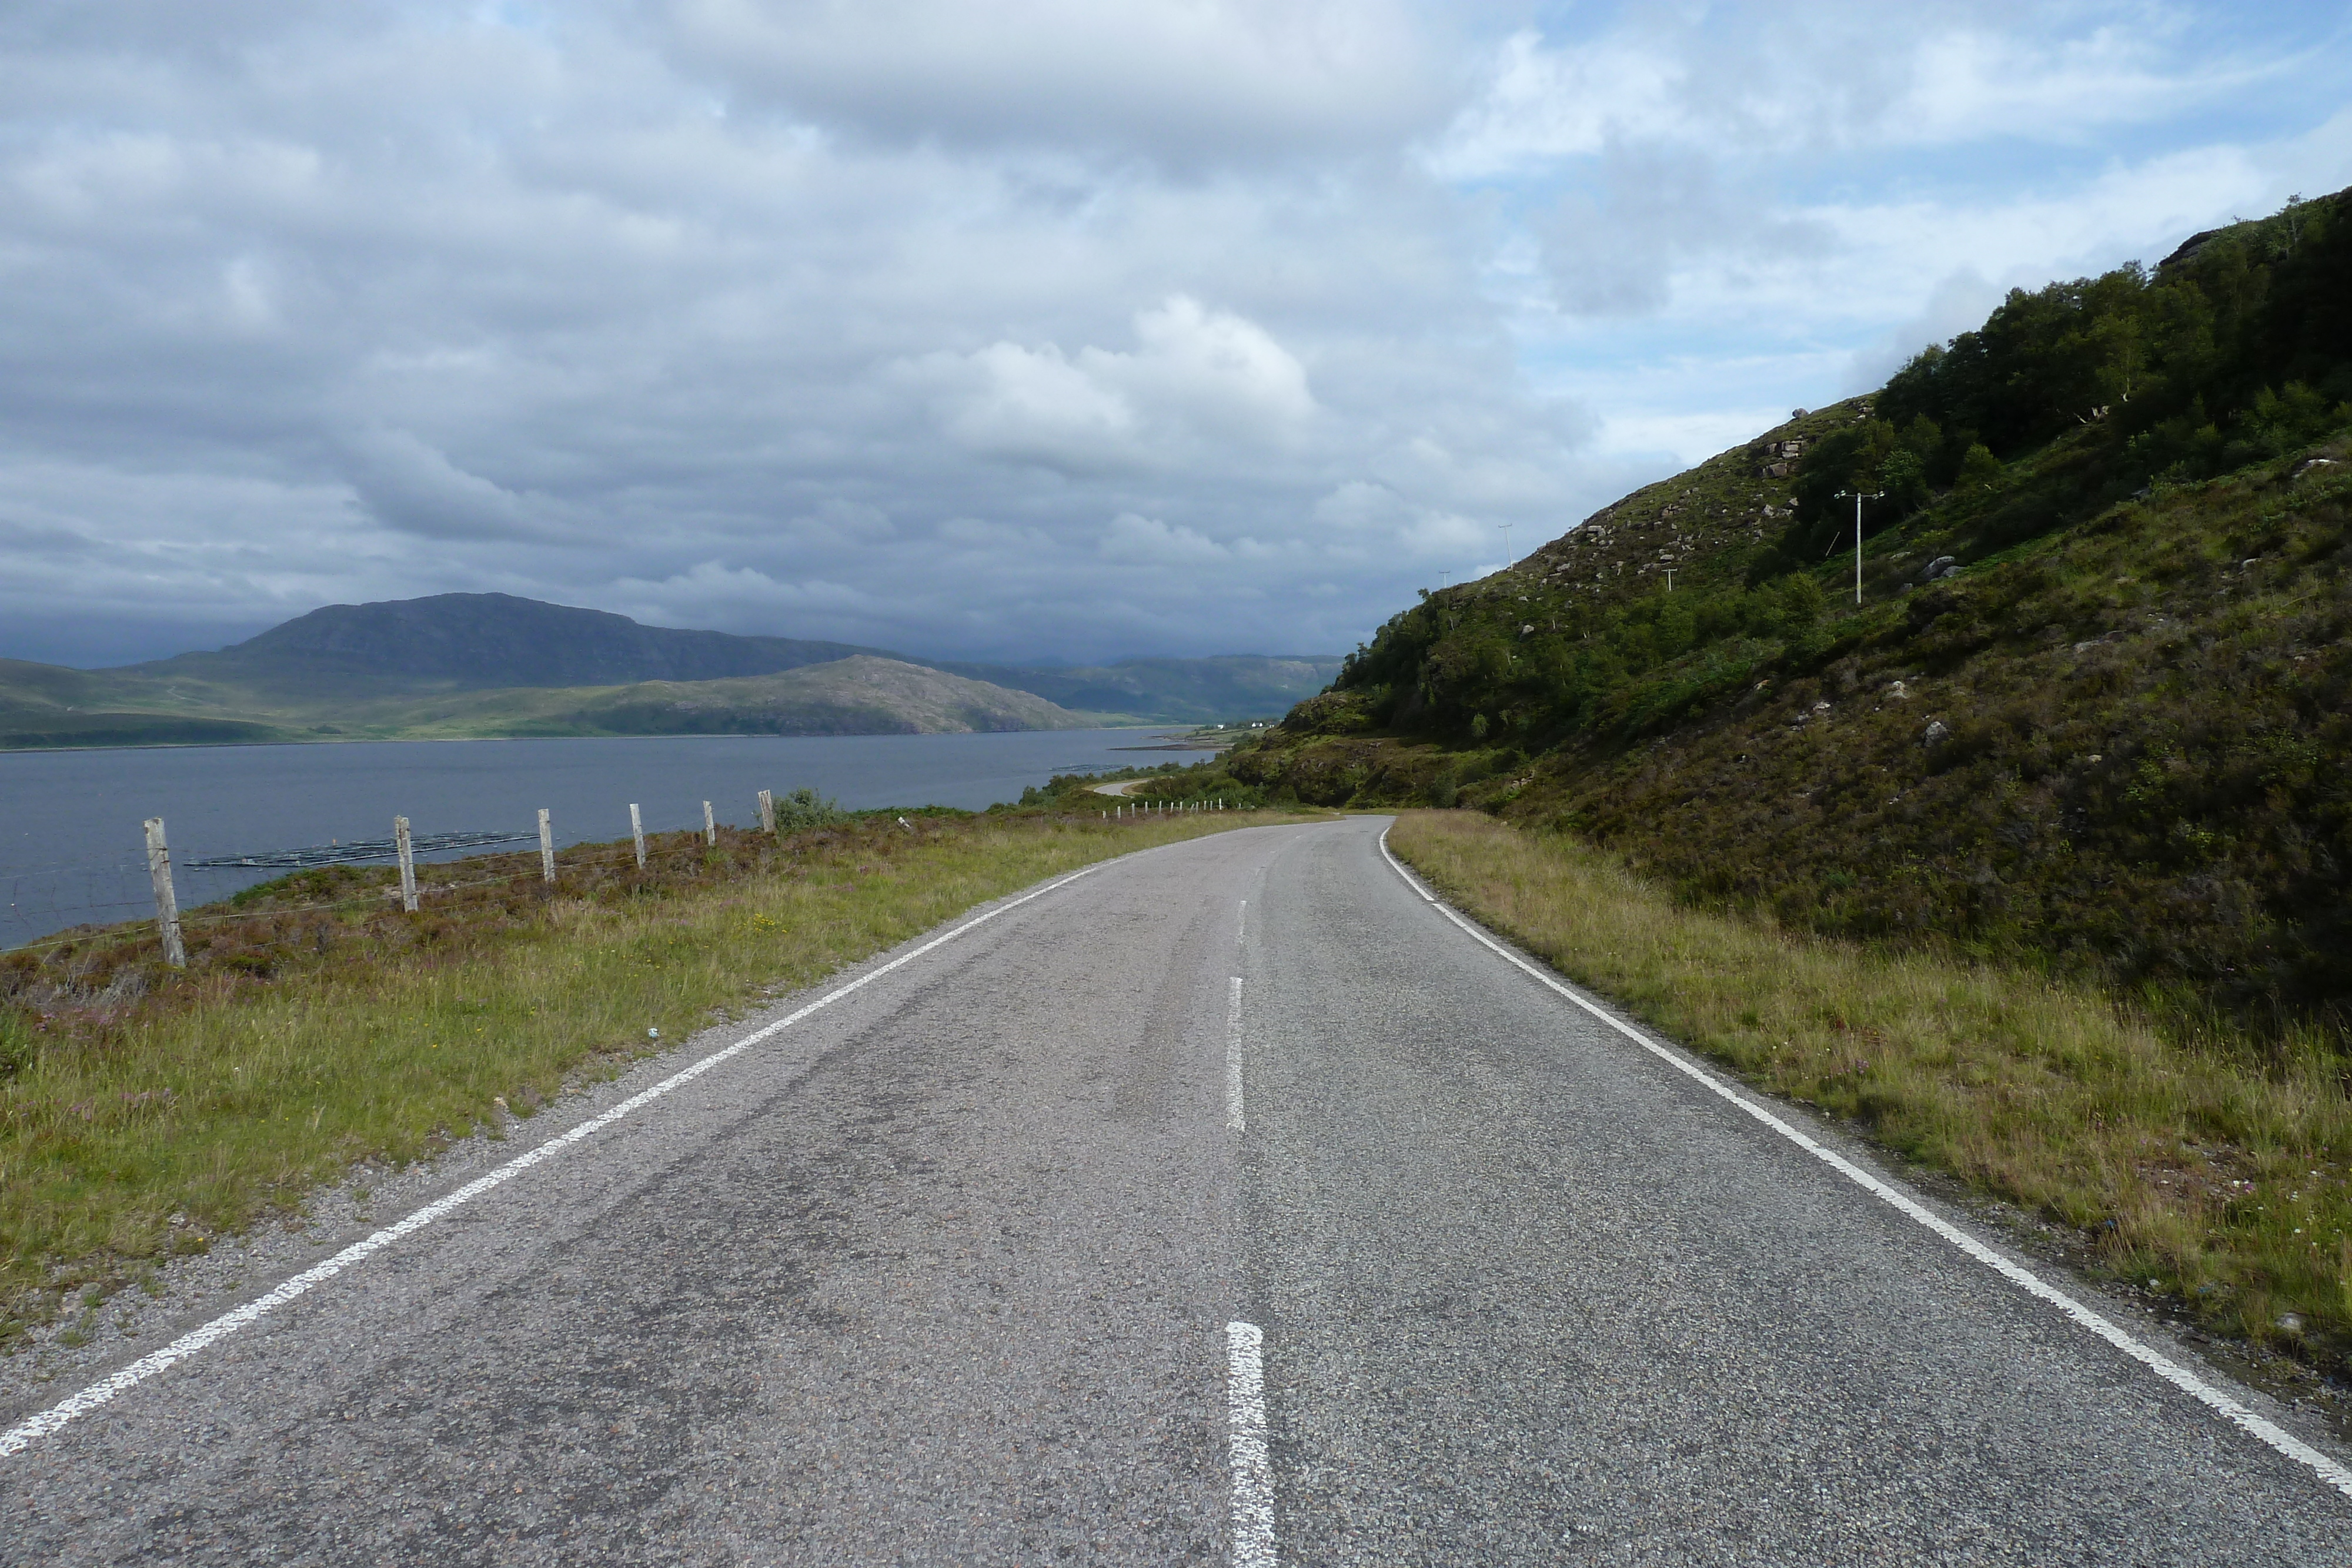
x=1252 y=1540
x=2164 y=1367
x=33 y=1428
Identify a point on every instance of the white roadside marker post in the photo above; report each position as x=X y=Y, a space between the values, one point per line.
x=407 y=864
x=546 y=848
x=167 y=902
x=637 y=831
x=709 y=827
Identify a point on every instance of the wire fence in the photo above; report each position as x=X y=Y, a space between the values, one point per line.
x=49 y=904
x=55 y=903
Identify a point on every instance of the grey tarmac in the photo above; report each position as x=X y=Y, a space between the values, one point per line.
x=943 y=1272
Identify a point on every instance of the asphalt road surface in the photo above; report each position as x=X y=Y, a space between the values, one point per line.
x=980 y=1263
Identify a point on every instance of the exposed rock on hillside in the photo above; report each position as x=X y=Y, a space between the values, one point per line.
x=2095 y=705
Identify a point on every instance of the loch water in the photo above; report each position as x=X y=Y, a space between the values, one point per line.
x=72 y=849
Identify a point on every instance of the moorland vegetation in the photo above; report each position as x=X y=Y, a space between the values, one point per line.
x=2091 y=713
x=2011 y=820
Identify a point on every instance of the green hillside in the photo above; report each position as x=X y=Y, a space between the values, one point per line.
x=43 y=705
x=1185 y=691
x=491 y=664
x=2091 y=710
x=861 y=696
x=472 y=642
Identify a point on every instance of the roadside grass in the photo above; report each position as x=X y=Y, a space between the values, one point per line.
x=143 y=1111
x=2209 y=1174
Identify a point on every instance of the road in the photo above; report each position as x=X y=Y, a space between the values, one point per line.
x=950 y=1270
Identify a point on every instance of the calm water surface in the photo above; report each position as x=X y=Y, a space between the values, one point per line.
x=72 y=845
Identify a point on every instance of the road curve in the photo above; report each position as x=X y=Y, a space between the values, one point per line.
x=959 y=1268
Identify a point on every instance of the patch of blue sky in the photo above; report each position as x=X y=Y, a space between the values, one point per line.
x=1679 y=264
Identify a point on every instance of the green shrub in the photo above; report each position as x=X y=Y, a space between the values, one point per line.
x=804 y=809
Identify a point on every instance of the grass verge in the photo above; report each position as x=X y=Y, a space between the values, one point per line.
x=2211 y=1178
x=144 y=1111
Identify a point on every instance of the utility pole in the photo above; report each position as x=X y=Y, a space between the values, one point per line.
x=1507 y=545
x=1859 y=497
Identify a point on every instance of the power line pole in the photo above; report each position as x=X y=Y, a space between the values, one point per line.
x=1507 y=545
x=1859 y=497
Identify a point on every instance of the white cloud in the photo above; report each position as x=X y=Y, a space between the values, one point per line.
x=992 y=541
x=1197 y=376
x=1544 y=104
x=1226 y=375
x=859 y=321
x=687 y=598
x=1035 y=405
x=1970 y=83
x=1359 y=513
x=1659 y=211
x=1150 y=542
x=1753 y=81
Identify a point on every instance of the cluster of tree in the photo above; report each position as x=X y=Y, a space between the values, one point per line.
x=1434 y=668
x=2236 y=349
x=2219 y=329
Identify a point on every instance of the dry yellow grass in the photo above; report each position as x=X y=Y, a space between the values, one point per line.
x=2217 y=1172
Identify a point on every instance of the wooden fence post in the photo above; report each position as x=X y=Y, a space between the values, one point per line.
x=637 y=831
x=709 y=827
x=167 y=904
x=407 y=864
x=767 y=810
x=546 y=848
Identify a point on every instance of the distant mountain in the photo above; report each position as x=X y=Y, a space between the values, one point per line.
x=42 y=706
x=490 y=642
x=492 y=663
x=859 y=695
x=1185 y=691
x=479 y=642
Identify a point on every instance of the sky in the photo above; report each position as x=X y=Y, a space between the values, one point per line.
x=1045 y=330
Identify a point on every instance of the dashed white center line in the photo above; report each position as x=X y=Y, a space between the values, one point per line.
x=1234 y=1057
x=1252 y=1478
